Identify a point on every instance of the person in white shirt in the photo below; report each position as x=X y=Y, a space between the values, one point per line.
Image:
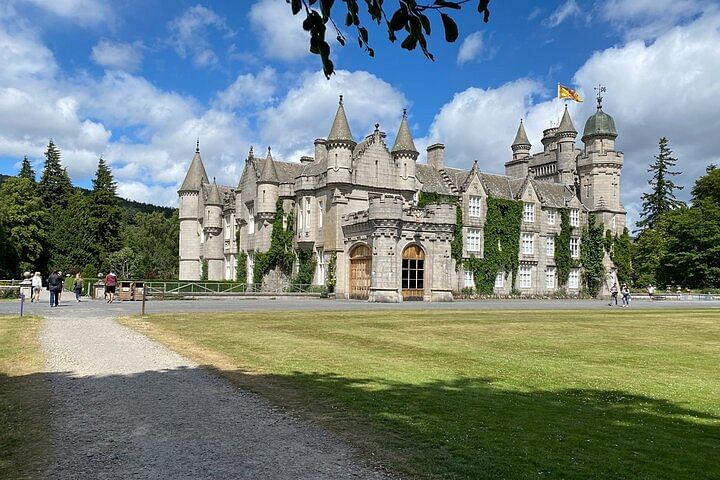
x=36 y=287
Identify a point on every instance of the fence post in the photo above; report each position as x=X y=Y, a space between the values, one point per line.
x=142 y=309
x=22 y=303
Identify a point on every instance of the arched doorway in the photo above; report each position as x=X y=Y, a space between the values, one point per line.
x=413 y=273
x=360 y=272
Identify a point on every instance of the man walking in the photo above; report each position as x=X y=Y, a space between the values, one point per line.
x=613 y=294
x=110 y=284
x=55 y=284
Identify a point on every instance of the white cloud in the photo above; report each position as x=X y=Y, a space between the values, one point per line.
x=119 y=56
x=155 y=194
x=279 y=31
x=307 y=112
x=470 y=48
x=649 y=18
x=84 y=12
x=189 y=34
x=567 y=10
x=248 y=89
x=23 y=56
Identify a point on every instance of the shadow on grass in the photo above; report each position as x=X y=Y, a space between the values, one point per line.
x=182 y=423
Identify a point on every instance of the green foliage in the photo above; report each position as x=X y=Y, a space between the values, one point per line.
x=707 y=187
x=27 y=171
x=54 y=186
x=563 y=261
x=241 y=267
x=622 y=254
x=261 y=266
x=650 y=248
x=204 y=270
x=434 y=198
x=306 y=268
x=89 y=272
x=331 y=272
x=592 y=251
x=409 y=17
x=155 y=238
x=123 y=262
x=281 y=254
x=71 y=241
x=661 y=197
x=23 y=222
x=502 y=244
x=103 y=214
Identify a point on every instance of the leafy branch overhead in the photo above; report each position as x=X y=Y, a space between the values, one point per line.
x=409 y=19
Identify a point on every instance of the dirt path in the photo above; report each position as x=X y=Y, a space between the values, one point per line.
x=127 y=407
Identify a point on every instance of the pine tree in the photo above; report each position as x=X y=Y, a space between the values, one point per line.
x=104 y=215
x=661 y=198
x=54 y=186
x=27 y=171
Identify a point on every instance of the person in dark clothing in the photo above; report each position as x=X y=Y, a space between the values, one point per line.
x=55 y=285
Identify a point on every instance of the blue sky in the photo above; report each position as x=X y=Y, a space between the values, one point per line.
x=138 y=81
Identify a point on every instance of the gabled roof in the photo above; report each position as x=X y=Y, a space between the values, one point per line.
x=286 y=172
x=552 y=194
x=196 y=175
x=340 y=130
x=432 y=180
x=403 y=140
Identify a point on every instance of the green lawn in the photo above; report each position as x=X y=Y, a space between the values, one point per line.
x=23 y=400
x=584 y=394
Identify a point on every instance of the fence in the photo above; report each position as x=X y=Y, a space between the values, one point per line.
x=190 y=288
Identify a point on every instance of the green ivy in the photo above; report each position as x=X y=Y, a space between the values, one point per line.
x=622 y=254
x=241 y=267
x=563 y=260
x=434 y=198
x=306 y=268
x=281 y=254
x=592 y=251
x=204 y=270
x=502 y=244
x=331 y=269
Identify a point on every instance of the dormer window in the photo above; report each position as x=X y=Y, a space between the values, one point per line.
x=574 y=217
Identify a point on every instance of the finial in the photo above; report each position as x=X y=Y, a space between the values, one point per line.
x=377 y=127
x=268 y=150
x=251 y=153
x=214 y=180
x=600 y=89
x=197 y=145
x=404 y=112
x=341 y=100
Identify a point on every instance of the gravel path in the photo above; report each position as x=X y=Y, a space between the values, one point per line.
x=125 y=407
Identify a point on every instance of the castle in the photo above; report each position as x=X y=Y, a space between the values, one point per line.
x=355 y=205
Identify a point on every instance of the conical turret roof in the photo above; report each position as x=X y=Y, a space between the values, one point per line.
x=214 y=195
x=521 y=137
x=566 y=125
x=403 y=140
x=196 y=174
x=269 y=172
x=340 y=130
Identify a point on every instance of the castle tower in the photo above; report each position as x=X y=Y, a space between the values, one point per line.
x=405 y=155
x=599 y=168
x=566 y=153
x=213 y=228
x=190 y=218
x=268 y=186
x=340 y=145
x=518 y=166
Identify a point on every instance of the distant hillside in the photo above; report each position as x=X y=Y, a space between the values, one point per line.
x=130 y=207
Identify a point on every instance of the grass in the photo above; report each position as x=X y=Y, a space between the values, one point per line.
x=621 y=394
x=23 y=400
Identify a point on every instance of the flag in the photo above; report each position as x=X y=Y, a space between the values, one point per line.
x=566 y=92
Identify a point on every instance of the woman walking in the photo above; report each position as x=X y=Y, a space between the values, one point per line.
x=36 y=287
x=625 y=295
x=78 y=287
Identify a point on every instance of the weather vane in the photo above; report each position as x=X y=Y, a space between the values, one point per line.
x=600 y=89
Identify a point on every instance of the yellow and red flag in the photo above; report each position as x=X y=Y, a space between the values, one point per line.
x=567 y=92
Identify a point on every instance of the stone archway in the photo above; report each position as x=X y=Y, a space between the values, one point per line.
x=360 y=272
x=413 y=273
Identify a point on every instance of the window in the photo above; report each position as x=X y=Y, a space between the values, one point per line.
x=474 y=206
x=320 y=266
x=469 y=279
x=307 y=213
x=575 y=247
x=300 y=215
x=574 y=279
x=614 y=224
x=250 y=266
x=574 y=217
x=550 y=277
x=226 y=228
x=550 y=246
x=551 y=216
x=529 y=212
x=251 y=218
x=473 y=240
x=525 y=276
x=320 y=214
x=528 y=244
x=499 y=279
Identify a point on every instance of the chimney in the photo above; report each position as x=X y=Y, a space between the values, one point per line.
x=320 y=150
x=305 y=160
x=436 y=156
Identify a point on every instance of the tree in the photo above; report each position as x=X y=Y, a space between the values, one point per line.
x=707 y=187
x=27 y=171
x=622 y=254
x=661 y=197
x=410 y=17
x=71 y=245
x=154 y=238
x=650 y=249
x=122 y=262
x=24 y=221
x=103 y=214
x=54 y=186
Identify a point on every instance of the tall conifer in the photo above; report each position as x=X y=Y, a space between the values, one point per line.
x=661 y=197
x=104 y=215
x=54 y=186
x=26 y=171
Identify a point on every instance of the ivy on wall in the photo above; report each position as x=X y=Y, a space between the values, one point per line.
x=592 y=251
x=204 y=270
x=331 y=269
x=563 y=261
x=502 y=244
x=281 y=254
x=306 y=268
x=434 y=198
x=241 y=267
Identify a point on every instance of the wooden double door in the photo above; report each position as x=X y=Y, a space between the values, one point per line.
x=360 y=272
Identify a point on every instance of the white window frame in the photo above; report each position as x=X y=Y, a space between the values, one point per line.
x=500 y=279
x=574 y=217
x=529 y=212
x=320 y=266
x=525 y=276
x=251 y=218
x=575 y=247
x=550 y=274
x=469 y=279
x=528 y=243
x=475 y=206
x=550 y=246
x=473 y=240
x=308 y=212
x=551 y=216
x=574 y=278
x=300 y=215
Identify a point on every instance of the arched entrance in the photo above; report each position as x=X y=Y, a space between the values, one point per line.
x=413 y=273
x=360 y=272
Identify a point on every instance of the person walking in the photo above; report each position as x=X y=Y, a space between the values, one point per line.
x=625 y=295
x=36 y=287
x=78 y=287
x=651 y=291
x=613 y=294
x=110 y=284
x=55 y=284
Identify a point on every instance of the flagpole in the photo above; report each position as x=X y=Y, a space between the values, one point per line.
x=557 y=105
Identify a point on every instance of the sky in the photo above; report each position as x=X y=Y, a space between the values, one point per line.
x=138 y=81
